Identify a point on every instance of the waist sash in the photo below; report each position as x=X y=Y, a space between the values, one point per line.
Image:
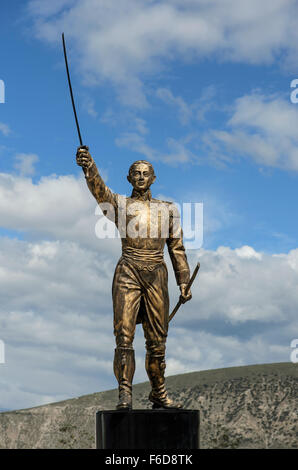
x=143 y=259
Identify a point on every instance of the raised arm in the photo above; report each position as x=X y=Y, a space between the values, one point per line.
x=96 y=184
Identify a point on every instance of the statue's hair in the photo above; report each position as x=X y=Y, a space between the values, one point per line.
x=141 y=161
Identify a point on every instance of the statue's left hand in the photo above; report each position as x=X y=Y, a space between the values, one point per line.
x=185 y=296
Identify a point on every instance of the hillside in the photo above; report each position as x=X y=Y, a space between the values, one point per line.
x=246 y=407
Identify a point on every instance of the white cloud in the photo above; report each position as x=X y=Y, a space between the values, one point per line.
x=56 y=306
x=56 y=332
x=178 y=151
x=126 y=118
x=137 y=143
x=247 y=252
x=204 y=350
x=89 y=106
x=126 y=41
x=184 y=109
x=24 y=162
x=56 y=317
x=38 y=7
x=187 y=111
x=206 y=102
x=243 y=285
x=141 y=126
x=5 y=129
x=54 y=208
x=263 y=128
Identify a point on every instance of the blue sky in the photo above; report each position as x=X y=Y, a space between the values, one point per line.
x=202 y=90
x=39 y=115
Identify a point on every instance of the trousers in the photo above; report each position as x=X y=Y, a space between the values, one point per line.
x=140 y=295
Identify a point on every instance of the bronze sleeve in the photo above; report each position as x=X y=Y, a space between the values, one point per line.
x=102 y=193
x=176 y=249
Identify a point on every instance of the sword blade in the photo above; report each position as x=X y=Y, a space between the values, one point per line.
x=70 y=89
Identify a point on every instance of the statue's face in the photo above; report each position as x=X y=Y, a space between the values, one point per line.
x=141 y=177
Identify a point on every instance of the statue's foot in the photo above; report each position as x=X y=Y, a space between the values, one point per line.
x=163 y=402
x=125 y=402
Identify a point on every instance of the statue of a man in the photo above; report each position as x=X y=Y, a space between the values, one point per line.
x=140 y=284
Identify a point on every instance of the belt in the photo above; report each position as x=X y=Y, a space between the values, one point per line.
x=143 y=259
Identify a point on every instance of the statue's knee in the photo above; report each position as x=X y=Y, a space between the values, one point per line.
x=124 y=341
x=156 y=348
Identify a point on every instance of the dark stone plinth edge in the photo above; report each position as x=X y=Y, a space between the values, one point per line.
x=147 y=429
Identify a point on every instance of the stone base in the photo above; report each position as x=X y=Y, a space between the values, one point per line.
x=147 y=429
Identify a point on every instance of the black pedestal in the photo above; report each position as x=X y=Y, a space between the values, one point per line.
x=147 y=429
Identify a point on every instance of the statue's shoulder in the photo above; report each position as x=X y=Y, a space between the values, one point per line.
x=161 y=201
x=170 y=206
x=121 y=198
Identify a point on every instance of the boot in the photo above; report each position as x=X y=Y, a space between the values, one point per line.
x=124 y=368
x=155 y=367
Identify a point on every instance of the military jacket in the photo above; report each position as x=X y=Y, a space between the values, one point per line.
x=145 y=225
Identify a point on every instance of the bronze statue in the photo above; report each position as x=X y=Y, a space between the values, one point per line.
x=140 y=284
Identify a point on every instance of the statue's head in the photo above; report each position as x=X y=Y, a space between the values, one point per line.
x=141 y=175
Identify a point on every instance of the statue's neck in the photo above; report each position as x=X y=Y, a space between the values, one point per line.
x=142 y=195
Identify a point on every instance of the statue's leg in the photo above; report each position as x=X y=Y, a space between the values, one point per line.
x=126 y=300
x=155 y=325
x=155 y=367
x=124 y=368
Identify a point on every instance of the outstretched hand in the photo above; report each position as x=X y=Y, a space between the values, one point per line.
x=83 y=157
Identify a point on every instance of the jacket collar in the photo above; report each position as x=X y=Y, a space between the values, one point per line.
x=146 y=196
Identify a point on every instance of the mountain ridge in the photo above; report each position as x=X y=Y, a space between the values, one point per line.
x=251 y=406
